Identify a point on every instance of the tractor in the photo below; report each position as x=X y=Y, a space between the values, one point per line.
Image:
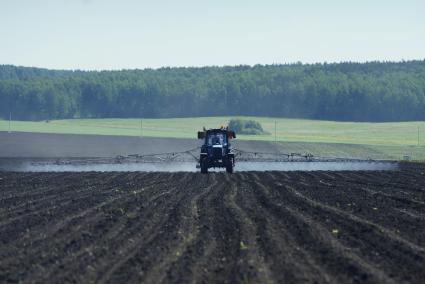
x=216 y=151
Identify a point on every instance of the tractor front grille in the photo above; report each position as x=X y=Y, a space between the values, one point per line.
x=217 y=152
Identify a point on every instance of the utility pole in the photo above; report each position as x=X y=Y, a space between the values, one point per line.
x=225 y=102
x=10 y=119
x=275 y=138
x=275 y=126
x=418 y=135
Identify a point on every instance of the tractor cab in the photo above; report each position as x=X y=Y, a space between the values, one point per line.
x=216 y=150
x=216 y=139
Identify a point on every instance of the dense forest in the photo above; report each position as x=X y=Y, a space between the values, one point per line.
x=374 y=91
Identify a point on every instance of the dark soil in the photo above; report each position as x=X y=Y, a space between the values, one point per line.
x=43 y=145
x=270 y=227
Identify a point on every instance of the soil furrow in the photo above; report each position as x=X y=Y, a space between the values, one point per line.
x=341 y=262
x=247 y=227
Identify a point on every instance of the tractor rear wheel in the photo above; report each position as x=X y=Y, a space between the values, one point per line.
x=204 y=166
x=229 y=166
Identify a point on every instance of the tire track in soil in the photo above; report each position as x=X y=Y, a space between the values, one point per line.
x=174 y=267
x=236 y=252
x=225 y=258
x=251 y=264
x=204 y=259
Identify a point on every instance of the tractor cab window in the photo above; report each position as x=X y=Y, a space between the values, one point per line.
x=216 y=139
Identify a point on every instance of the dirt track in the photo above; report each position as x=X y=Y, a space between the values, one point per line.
x=275 y=227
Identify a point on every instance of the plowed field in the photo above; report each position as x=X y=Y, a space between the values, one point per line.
x=249 y=227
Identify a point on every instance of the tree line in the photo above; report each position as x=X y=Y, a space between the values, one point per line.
x=373 y=91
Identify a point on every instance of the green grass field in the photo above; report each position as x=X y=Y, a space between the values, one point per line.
x=374 y=140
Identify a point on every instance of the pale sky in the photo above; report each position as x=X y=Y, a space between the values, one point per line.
x=127 y=34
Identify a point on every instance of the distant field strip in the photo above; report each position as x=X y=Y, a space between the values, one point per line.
x=399 y=133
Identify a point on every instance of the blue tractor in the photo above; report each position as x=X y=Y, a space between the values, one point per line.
x=216 y=151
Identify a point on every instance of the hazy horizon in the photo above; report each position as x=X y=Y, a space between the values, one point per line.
x=111 y=35
x=207 y=66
